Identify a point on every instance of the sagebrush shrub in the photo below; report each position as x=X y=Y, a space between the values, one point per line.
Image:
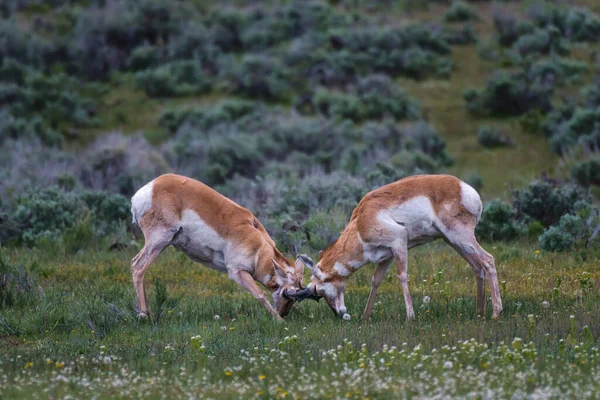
x=257 y=76
x=498 y=222
x=555 y=239
x=544 y=202
x=178 y=78
x=460 y=12
x=47 y=213
x=491 y=137
x=587 y=172
x=508 y=94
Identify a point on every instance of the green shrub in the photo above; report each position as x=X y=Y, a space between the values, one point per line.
x=324 y=227
x=532 y=121
x=47 y=213
x=257 y=76
x=498 y=222
x=460 y=12
x=205 y=118
x=587 y=173
x=79 y=235
x=568 y=127
x=491 y=138
x=554 y=239
x=541 y=41
x=560 y=69
x=508 y=94
x=179 y=78
x=144 y=57
x=463 y=36
x=541 y=201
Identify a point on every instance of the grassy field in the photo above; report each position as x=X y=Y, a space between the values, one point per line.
x=72 y=330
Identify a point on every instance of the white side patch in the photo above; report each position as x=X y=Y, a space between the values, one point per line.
x=470 y=200
x=141 y=202
x=341 y=269
x=202 y=243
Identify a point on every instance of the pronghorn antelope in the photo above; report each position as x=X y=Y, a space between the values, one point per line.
x=215 y=231
x=392 y=219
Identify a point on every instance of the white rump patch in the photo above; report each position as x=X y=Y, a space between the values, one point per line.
x=470 y=200
x=141 y=202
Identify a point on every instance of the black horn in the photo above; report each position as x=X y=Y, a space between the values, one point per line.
x=305 y=293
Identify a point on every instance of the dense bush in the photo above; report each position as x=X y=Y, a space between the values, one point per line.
x=509 y=94
x=577 y=24
x=460 y=12
x=46 y=213
x=546 y=203
x=558 y=69
x=587 y=172
x=541 y=41
x=257 y=76
x=463 y=36
x=179 y=78
x=490 y=137
x=373 y=97
x=204 y=118
x=498 y=222
x=579 y=230
x=50 y=212
x=567 y=127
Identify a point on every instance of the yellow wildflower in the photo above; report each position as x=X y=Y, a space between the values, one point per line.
x=262 y=377
x=537 y=252
x=59 y=364
x=227 y=373
x=28 y=365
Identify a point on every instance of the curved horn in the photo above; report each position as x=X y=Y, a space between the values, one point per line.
x=306 y=293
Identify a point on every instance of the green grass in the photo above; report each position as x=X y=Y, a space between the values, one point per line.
x=80 y=310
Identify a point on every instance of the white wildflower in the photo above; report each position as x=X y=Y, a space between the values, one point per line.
x=448 y=365
x=545 y=304
x=217 y=317
x=346 y=317
x=426 y=299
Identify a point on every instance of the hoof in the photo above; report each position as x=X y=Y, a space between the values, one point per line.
x=143 y=315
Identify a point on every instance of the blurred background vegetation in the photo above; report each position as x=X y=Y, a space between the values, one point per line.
x=296 y=109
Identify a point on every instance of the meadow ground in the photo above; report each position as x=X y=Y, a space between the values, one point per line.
x=69 y=329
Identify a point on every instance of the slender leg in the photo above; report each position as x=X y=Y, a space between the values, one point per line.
x=400 y=250
x=479 y=277
x=382 y=268
x=402 y=264
x=155 y=244
x=247 y=282
x=483 y=265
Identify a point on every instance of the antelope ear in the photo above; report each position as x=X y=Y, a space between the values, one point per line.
x=299 y=269
x=306 y=261
x=279 y=271
x=320 y=254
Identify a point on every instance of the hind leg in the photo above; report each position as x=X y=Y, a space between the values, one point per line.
x=156 y=242
x=462 y=239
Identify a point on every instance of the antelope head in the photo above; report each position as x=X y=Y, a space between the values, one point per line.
x=329 y=286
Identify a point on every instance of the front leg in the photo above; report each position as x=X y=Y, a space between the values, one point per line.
x=382 y=268
x=247 y=282
x=400 y=250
